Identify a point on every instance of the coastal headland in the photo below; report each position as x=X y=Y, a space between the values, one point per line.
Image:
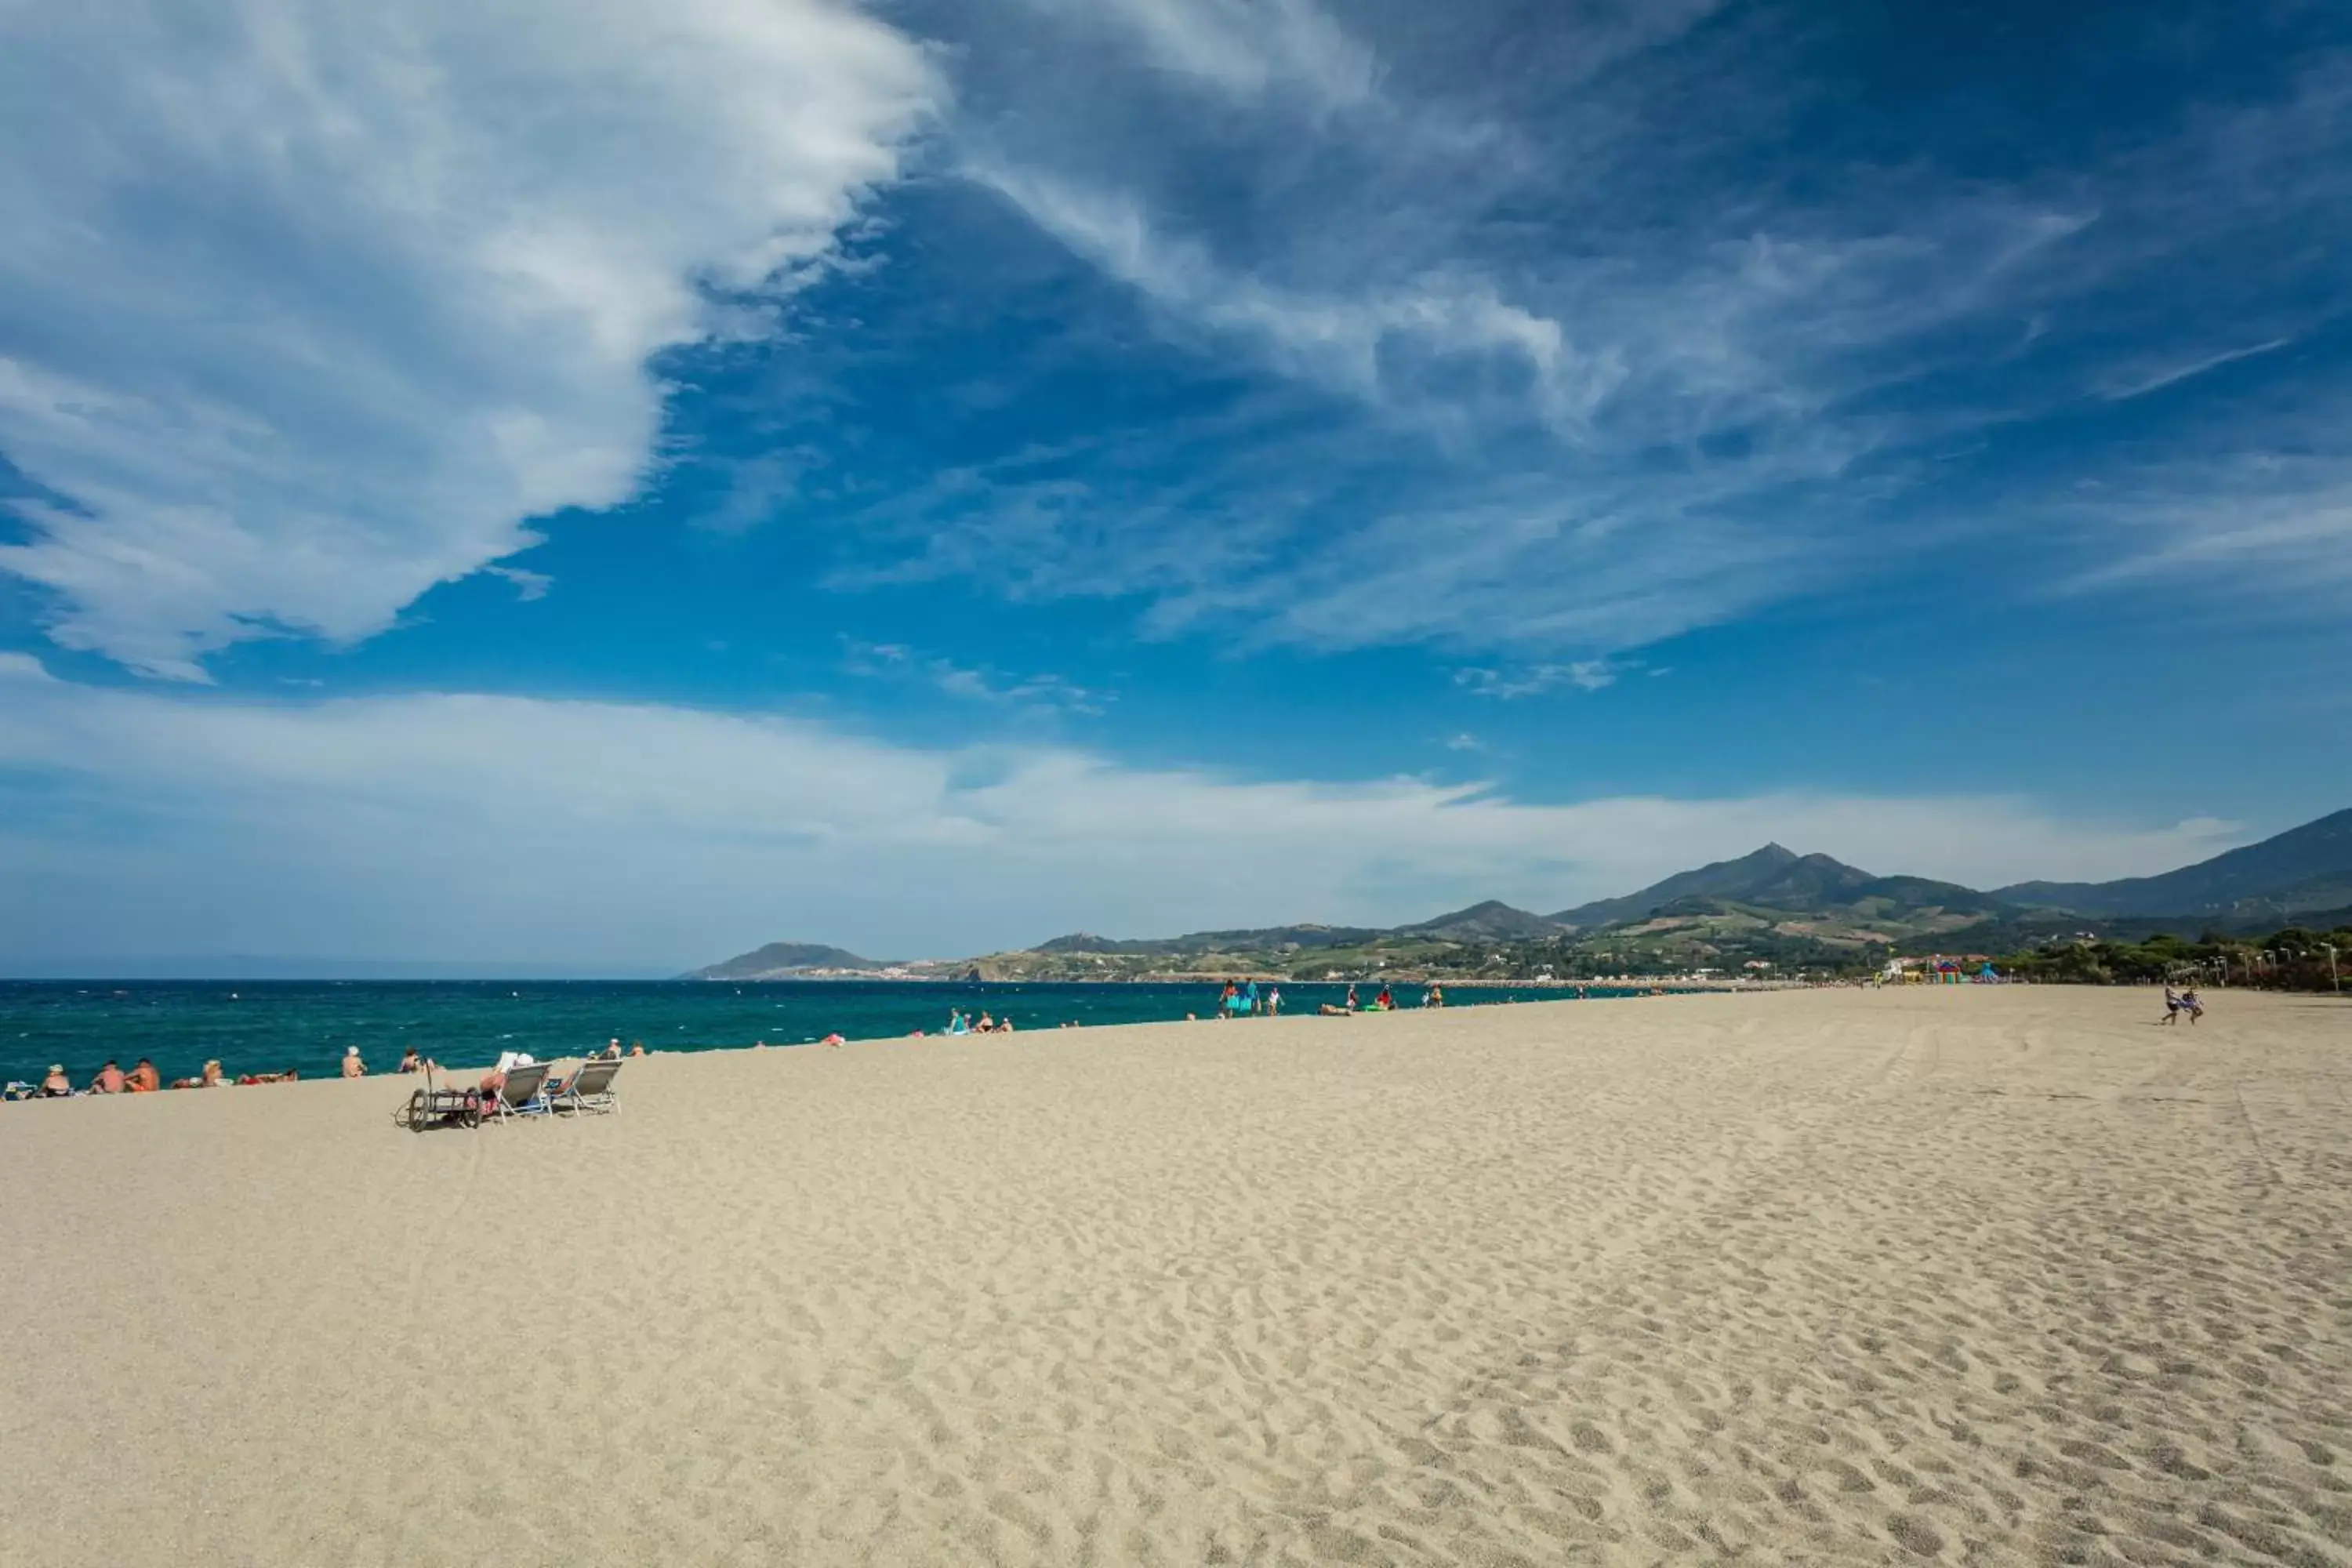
x=1958 y=1274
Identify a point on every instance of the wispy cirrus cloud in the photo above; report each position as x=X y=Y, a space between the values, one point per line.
x=2138 y=382
x=303 y=311
x=1572 y=318
x=1251 y=48
x=974 y=683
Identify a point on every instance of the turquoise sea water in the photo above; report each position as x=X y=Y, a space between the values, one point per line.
x=271 y=1026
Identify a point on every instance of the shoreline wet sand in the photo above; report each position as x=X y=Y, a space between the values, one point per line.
x=1953 y=1274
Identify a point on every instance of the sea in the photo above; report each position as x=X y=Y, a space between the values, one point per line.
x=265 y=1025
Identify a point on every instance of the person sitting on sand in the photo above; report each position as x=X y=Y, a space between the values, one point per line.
x=143 y=1079
x=109 y=1080
x=957 y=1023
x=352 y=1066
x=1004 y=1025
x=410 y=1061
x=834 y=1040
x=56 y=1086
x=987 y=1025
x=1384 y=1001
x=612 y=1052
x=636 y=1047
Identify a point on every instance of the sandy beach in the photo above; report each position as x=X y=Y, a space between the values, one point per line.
x=1969 y=1275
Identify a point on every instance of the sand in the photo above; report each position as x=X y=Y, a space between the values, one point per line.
x=1969 y=1275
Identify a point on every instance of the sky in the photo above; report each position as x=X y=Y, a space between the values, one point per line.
x=608 y=485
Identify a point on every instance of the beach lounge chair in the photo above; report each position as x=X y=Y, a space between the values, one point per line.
x=590 y=1087
x=442 y=1108
x=524 y=1094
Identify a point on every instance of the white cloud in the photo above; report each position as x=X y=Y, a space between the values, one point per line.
x=446 y=825
x=528 y=585
x=1371 y=343
x=1584 y=674
x=976 y=683
x=306 y=309
x=1248 y=48
x=2140 y=379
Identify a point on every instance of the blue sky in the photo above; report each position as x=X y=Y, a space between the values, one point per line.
x=618 y=484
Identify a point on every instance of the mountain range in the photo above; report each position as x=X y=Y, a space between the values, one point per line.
x=1773 y=906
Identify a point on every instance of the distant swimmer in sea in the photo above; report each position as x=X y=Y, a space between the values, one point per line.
x=109 y=1080
x=352 y=1066
x=143 y=1079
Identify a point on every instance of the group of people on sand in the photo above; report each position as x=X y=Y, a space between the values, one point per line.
x=1243 y=999
x=962 y=1023
x=1383 y=1000
x=142 y=1078
x=2176 y=1002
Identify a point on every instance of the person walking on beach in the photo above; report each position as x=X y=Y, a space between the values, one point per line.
x=1249 y=998
x=2171 y=1004
x=1273 y=1001
x=2191 y=1005
x=1352 y=1003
